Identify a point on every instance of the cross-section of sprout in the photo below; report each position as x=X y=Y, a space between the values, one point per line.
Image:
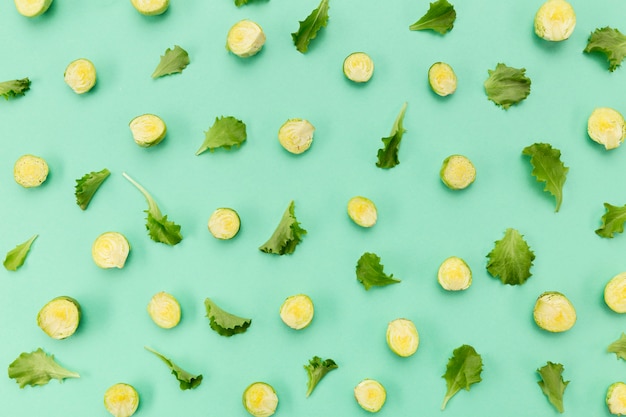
x=371 y=395
x=454 y=274
x=150 y=7
x=297 y=311
x=615 y=293
x=362 y=211
x=164 y=310
x=296 y=135
x=224 y=223
x=555 y=20
x=442 y=79
x=80 y=75
x=245 y=38
x=260 y=399
x=616 y=398
x=148 y=130
x=30 y=171
x=457 y=172
x=358 y=67
x=607 y=127
x=110 y=250
x=402 y=337
x=32 y=8
x=60 y=317
x=121 y=400
x=554 y=312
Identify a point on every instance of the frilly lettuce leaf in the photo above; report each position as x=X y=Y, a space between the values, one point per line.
x=173 y=61
x=14 y=88
x=186 y=380
x=225 y=132
x=287 y=235
x=463 y=370
x=612 y=221
x=548 y=168
x=316 y=370
x=87 y=186
x=310 y=26
x=507 y=86
x=388 y=155
x=37 y=368
x=224 y=323
x=440 y=17
x=552 y=384
x=369 y=272
x=611 y=42
x=511 y=259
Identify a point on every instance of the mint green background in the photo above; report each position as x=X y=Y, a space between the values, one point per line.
x=420 y=224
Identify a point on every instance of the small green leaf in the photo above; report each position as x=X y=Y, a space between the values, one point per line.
x=463 y=370
x=548 y=168
x=224 y=323
x=14 y=88
x=173 y=61
x=240 y=3
x=511 y=259
x=612 y=221
x=619 y=347
x=369 y=272
x=316 y=370
x=310 y=26
x=287 y=235
x=440 y=18
x=16 y=257
x=552 y=384
x=186 y=380
x=611 y=42
x=388 y=155
x=87 y=186
x=225 y=132
x=37 y=368
x=507 y=86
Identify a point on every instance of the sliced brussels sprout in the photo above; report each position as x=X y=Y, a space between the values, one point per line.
x=616 y=398
x=555 y=20
x=260 y=399
x=30 y=171
x=80 y=75
x=362 y=211
x=110 y=250
x=245 y=38
x=607 y=127
x=370 y=395
x=296 y=135
x=554 y=312
x=454 y=274
x=615 y=293
x=402 y=337
x=358 y=67
x=151 y=7
x=148 y=130
x=32 y=8
x=164 y=310
x=442 y=79
x=457 y=172
x=60 y=317
x=121 y=400
x=297 y=311
x=224 y=223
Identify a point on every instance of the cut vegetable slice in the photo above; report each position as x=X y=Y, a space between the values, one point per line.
x=402 y=337
x=296 y=135
x=615 y=293
x=121 y=400
x=260 y=399
x=297 y=311
x=110 y=250
x=358 y=67
x=60 y=317
x=454 y=274
x=442 y=79
x=80 y=75
x=555 y=20
x=362 y=211
x=607 y=127
x=32 y=8
x=457 y=172
x=370 y=395
x=245 y=38
x=224 y=223
x=148 y=130
x=554 y=312
x=151 y=7
x=164 y=310
x=30 y=171
x=616 y=398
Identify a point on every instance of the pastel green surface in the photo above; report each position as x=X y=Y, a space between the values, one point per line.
x=420 y=221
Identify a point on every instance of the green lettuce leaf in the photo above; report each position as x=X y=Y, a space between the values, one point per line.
x=14 y=88
x=173 y=61
x=316 y=369
x=507 y=86
x=87 y=186
x=552 y=384
x=463 y=370
x=186 y=380
x=224 y=323
x=610 y=42
x=369 y=272
x=548 y=168
x=37 y=368
x=310 y=26
x=511 y=259
x=619 y=347
x=388 y=155
x=440 y=17
x=287 y=235
x=612 y=221
x=240 y=3
x=225 y=132
x=16 y=256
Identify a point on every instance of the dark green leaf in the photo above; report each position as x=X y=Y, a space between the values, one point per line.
x=186 y=380
x=440 y=17
x=463 y=370
x=611 y=42
x=310 y=26
x=14 y=88
x=388 y=155
x=87 y=186
x=511 y=259
x=287 y=235
x=369 y=272
x=16 y=257
x=316 y=369
x=507 y=86
x=225 y=132
x=612 y=221
x=548 y=168
x=224 y=323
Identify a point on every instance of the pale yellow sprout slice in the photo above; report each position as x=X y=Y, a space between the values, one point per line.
x=555 y=20
x=362 y=211
x=80 y=75
x=30 y=171
x=150 y=7
x=402 y=337
x=260 y=399
x=32 y=8
x=297 y=311
x=60 y=317
x=296 y=135
x=554 y=312
x=164 y=310
x=110 y=250
x=358 y=67
x=245 y=38
x=616 y=398
x=370 y=395
x=454 y=274
x=607 y=127
x=224 y=223
x=457 y=172
x=615 y=293
x=121 y=400
x=442 y=79
x=148 y=130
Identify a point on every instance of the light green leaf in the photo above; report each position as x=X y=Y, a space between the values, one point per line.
x=87 y=186
x=173 y=61
x=224 y=323
x=388 y=155
x=507 y=86
x=310 y=26
x=611 y=42
x=619 y=347
x=440 y=17
x=612 y=221
x=552 y=384
x=16 y=257
x=186 y=380
x=511 y=259
x=369 y=272
x=240 y=3
x=225 y=132
x=316 y=370
x=287 y=235
x=37 y=368
x=14 y=88
x=463 y=370
x=548 y=168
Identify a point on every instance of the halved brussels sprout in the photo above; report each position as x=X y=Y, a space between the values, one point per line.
x=362 y=211
x=296 y=135
x=607 y=127
x=224 y=223
x=370 y=395
x=164 y=310
x=555 y=20
x=615 y=293
x=454 y=274
x=110 y=250
x=402 y=337
x=150 y=7
x=245 y=38
x=457 y=172
x=80 y=75
x=60 y=317
x=616 y=398
x=32 y=8
x=30 y=171
x=358 y=67
x=442 y=79
x=148 y=130
x=554 y=312
x=260 y=399
x=121 y=400
x=297 y=311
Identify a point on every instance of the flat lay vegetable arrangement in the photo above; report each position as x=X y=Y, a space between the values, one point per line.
x=419 y=204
